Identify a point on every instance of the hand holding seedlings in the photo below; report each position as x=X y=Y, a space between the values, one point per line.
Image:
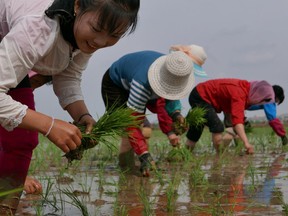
x=112 y=124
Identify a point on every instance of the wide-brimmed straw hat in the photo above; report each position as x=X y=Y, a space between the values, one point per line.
x=196 y=53
x=171 y=76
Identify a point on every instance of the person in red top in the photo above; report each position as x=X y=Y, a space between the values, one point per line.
x=231 y=96
x=270 y=111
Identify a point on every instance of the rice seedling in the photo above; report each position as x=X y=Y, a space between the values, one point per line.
x=7 y=192
x=101 y=176
x=111 y=125
x=38 y=210
x=122 y=176
x=260 y=143
x=196 y=116
x=179 y=154
x=49 y=201
x=144 y=198
x=218 y=205
x=159 y=176
x=121 y=210
x=215 y=206
x=197 y=176
x=75 y=201
x=160 y=150
x=239 y=148
x=47 y=193
x=221 y=204
x=43 y=160
x=285 y=209
x=252 y=173
x=204 y=145
x=85 y=187
x=172 y=192
x=281 y=201
x=113 y=188
x=118 y=209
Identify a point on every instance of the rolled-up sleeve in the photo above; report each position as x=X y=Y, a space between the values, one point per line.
x=67 y=85
x=237 y=110
x=11 y=113
x=20 y=49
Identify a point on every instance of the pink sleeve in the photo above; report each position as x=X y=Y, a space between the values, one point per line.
x=31 y=74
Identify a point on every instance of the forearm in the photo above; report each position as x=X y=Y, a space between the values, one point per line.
x=63 y=134
x=77 y=109
x=36 y=121
x=239 y=128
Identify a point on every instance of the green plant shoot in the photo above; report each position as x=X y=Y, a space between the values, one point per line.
x=111 y=125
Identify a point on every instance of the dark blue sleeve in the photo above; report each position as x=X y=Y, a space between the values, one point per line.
x=255 y=107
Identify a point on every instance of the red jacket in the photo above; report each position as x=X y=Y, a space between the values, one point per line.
x=136 y=137
x=227 y=95
x=164 y=120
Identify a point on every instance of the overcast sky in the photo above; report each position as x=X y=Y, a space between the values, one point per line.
x=245 y=39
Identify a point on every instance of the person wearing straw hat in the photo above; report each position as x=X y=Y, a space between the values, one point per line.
x=231 y=96
x=137 y=78
x=165 y=117
x=197 y=54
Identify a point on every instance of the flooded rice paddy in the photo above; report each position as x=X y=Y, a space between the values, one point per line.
x=198 y=183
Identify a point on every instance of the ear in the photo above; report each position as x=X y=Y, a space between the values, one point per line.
x=76 y=7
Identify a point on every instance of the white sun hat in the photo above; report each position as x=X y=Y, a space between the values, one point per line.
x=171 y=76
x=196 y=53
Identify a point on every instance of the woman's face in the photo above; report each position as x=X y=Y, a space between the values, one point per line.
x=89 y=37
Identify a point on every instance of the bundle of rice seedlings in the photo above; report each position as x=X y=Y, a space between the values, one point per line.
x=111 y=125
x=176 y=155
x=195 y=116
x=180 y=127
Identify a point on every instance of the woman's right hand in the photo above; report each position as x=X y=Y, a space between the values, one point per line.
x=249 y=148
x=65 y=136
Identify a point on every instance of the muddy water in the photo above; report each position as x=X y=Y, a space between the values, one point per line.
x=213 y=185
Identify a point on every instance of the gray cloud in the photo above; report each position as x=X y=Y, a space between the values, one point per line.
x=243 y=39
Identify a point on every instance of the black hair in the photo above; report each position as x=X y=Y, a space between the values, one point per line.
x=111 y=15
x=279 y=93
x=64 y=10
x=113 y=12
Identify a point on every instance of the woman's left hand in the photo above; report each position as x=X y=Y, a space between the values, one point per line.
x=88 y=121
